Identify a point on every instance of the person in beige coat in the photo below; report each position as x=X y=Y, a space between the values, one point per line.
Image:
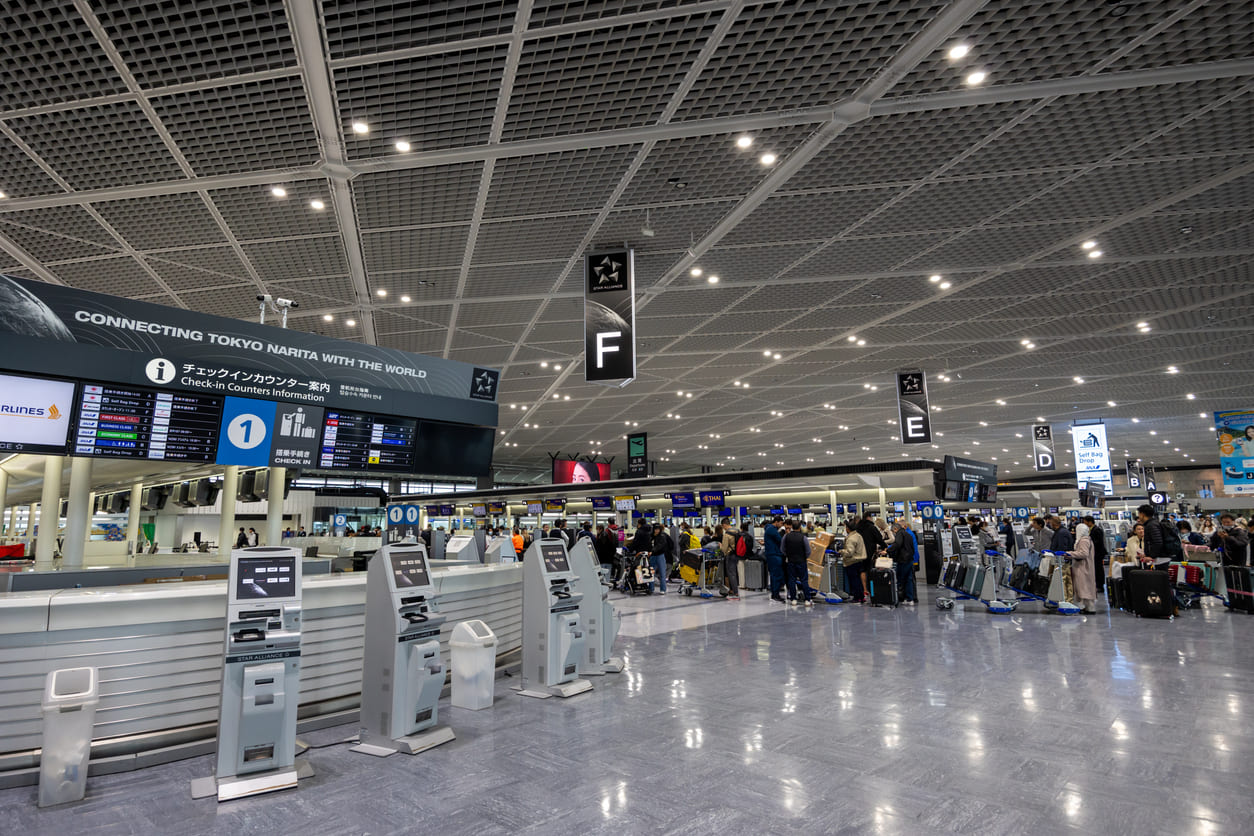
x=1083 y=577
x=854 y=558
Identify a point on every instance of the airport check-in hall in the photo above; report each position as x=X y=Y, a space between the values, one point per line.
x=712 y=416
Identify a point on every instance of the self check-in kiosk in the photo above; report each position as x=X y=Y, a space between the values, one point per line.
x=260 y=677
x=401 y=676
x=595 y=611
x=553 y=633
x=500 y=550
x=461 y=547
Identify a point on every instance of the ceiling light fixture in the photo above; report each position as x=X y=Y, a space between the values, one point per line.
x=1173 y=370
x=712 y=279
x=958 y=51
x=361 y=127
x=544 y=364
x=946 y=285
x=976 y=77
x=351 y=323
x=381 y=293
x=3 y=195
x=768 y=158
x=935 y=277
x=1088 y=245
x=1191 y=396
x=744 y=141
x=766 y=353
x=317 y=205
x=403 y=146
x=405 y=299
x=861 y=342
x=1111 y=403
x=278 y=191
x=326 y=317
x=557 y=367
x=1095 y=253
x=695 y=272
x=776 y=356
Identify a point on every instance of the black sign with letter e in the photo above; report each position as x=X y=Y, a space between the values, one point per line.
x=1043 y=447
x=638 y=454
x=609 y=317
x=916 y=422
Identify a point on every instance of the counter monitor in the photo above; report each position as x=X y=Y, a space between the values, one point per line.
x=554 y=558
x=266 y=577
x=362 y=442
x=409 y=569
x=126 y=422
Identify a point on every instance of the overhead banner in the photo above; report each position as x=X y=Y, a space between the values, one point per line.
x=1235 y=431
x=1151 y=481
x=912 y=408
x=1092 y=458
x=1136 y=479
x=1042 y=447
x=61 y=331
x=638 y=454
x=609 y=317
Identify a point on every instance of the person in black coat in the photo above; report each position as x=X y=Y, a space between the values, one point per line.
x=1100 y=552
x=871 y=538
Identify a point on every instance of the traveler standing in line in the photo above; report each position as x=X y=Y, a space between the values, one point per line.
x=1133 y=550
x=1008 y=535
x=659 y=550
x=871 y=539
x=795 y=553
x=242 y=540
x=902 y=551
x=642 y=540
x=1233 y=539
x=1040 y=533
x=854 y=557
x=1152 y=544
x=1188 y=535
x=585 y=531
x=1207 y=526
x=1082 y=578
x=1062 y=541
x=773 y=548
x=1098 y=535
x=731 y=563
x=426 y=537
x=606 y=544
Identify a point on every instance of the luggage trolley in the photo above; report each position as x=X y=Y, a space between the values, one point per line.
x=1194 y=581
x=701 y=570
x=1028 y=584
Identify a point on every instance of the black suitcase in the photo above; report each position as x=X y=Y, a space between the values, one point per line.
x=1240 y=596
x=1149 y=593
x=883 y=587
x=1117 y=593
x=960 y=577
x=1020 y=577
x=1040 y=585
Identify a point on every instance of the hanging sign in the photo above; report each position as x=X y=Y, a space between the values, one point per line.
x=912 y=408
x=638 y=454
x=1042 y=447
x=1136 y=479
x=1092 y=458
x=609 y=317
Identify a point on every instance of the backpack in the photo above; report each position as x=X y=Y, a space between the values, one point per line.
x=743 y=549
x=1171 y=541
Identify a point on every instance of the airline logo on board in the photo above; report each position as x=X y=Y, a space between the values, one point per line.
x=21 y=411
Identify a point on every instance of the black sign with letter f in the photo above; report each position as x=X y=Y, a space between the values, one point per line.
x=609 y=317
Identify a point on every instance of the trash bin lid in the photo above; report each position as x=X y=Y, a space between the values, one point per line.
x=474 y=633
x=71 y=685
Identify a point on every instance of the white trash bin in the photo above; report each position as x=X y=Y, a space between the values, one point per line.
x=69 y=709
x=474 y=664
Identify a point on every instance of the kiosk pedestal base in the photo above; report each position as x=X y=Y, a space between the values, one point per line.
x=566 y=689
x=410 y=744
x=242 y=786
x=612 y=665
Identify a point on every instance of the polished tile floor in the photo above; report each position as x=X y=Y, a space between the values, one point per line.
x=753 y=717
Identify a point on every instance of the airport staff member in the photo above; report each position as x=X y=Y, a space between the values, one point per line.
x=518 y=541
x=773 y=549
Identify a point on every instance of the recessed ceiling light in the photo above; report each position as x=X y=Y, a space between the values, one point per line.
x=3 y=195
x=712 y=279
x=1030 y=346
x=958 y=51
x=935 y=277
x=1088 y=245
x=544 y=364
x=1201 y=415
x=746 y=385
x=1136 y=420
x=557 y=367
x=1172 y=370
x=350 y=322
x=852 y=338
x=768 y=158
x=403 y=146
x=1040 y=419
x=744 y=141
x=695 y=272
x=405 y=299
x=566 y=397
x=946 y=285
x=1111 y=403
x=380 y=293
x=976 y=77
x=1078 y=379
x=361 y=127
x=1142 y=325
x=1191 y=396
x=278 y=191
x=861 y=342
x=326 y=317
x=1000 y=402
x=1095 y=253
x=317 y=205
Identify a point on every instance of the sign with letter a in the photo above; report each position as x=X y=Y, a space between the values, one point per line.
x=1043 y=447
x=912 y=408
x=609 y=317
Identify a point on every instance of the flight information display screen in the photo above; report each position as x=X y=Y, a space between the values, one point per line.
x=409 y=570
x=135 y=423
x=356 y=441
x=554 y=555
x=266 y=577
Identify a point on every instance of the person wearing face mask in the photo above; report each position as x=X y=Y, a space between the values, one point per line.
x=1233 y=539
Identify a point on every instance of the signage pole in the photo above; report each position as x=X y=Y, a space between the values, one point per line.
x=226 y=501
x=77 y=514
x=49 y=512
x=274 y=510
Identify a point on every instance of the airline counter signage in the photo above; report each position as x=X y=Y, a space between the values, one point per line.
x=912 y=408
x=713 y=499
x=496 y=508
x=1136 y=478
x=1092 y=458
x=1043 y=448
x=609 y=315
x=62 y=331
x=402 y=522
x=602 y=503
x=554 y=506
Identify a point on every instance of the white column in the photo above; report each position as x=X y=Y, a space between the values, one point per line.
x=12 y=521
x=4 y=490
x=883 y=503
x=274 y=507
x=132 y=513
x=78 y=513
x=30 y=526
x=227 y=499
x=49 y=512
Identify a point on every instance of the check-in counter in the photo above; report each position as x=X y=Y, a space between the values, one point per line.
x=158 y=649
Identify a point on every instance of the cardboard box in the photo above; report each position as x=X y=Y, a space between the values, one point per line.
x=818 y=548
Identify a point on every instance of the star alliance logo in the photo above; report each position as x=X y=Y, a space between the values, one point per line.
x=483 y=384
x=1042 y=433
x=607 y=272
x=911 y=384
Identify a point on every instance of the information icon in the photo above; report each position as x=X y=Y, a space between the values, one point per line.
x=159 y=370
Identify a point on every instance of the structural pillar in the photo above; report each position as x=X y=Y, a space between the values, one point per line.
x=30 y=527
x=227 y=500
x=274 y=507
x=4 y=491
x=49 y=513
x=132 y=516
x=883 y=503
x=78 y=513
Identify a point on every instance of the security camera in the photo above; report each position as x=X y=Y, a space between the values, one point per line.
x=284 y=303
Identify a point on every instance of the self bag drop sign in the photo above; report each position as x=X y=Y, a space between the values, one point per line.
x=49 y=329
x=1235 y=431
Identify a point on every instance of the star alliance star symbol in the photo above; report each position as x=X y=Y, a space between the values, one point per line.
x=484 y=383
x=607 y=270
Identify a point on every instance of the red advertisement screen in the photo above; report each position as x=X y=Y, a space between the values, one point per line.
x=566 y=473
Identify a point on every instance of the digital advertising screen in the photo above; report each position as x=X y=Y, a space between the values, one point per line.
x=362 y=442
x=554 y=555
x=409 y=570
x=454 y=449
x=685 y=499
x=35 y=414
x=126 y=422
x=573 y=473
x=266 y=577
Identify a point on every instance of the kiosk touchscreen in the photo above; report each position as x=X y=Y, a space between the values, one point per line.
x=553 y=633
x=401 y=674
x=260 y=677
x=595 y=611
